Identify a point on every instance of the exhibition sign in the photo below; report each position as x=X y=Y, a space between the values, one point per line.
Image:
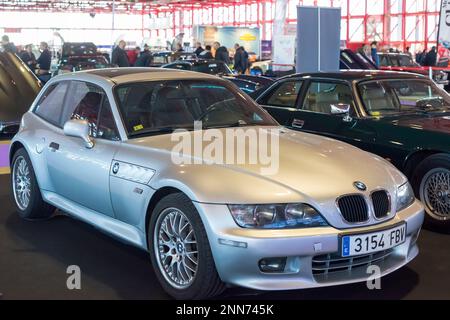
x=444 y=25
x=247 y=37
x=318 y=39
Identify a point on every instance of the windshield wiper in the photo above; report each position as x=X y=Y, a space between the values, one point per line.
x=239 y=123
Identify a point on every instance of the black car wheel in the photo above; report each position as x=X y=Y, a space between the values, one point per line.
x=26 y=192
x=431 y=182
x=180 y=250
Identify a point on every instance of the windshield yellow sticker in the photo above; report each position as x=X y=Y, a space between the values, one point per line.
x=138 y=127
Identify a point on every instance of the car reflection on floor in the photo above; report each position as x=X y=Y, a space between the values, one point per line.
x=4 y=163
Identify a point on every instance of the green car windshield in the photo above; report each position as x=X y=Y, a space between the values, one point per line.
x=393 y=97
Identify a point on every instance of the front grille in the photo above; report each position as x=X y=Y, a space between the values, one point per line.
x=330 y=263
x=381 y=203
x=353 y=208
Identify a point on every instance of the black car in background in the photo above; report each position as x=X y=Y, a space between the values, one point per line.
x=161 y=58
x=78 y=56
x=247 y=83
x=18 y=88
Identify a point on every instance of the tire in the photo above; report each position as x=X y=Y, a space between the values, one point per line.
x=29 y=202
x=199 y=281
x=434 y=171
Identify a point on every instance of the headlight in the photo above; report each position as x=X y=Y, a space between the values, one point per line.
x=277 y=216
x=405 y=196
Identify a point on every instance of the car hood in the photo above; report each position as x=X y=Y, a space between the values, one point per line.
x=306 y=167
x=18 y=88
x=437 y=122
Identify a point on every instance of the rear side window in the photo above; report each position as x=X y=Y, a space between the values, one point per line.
x=285 y=95
x=51 y=103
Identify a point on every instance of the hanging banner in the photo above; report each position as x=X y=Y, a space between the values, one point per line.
x=444 y=25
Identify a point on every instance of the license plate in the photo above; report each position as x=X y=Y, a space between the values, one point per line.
x=355 y=245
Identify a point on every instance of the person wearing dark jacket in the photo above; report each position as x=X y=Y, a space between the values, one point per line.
x=119 y=55
x=28 y=57
x=145 y=58
x=8 y=46
x=45 y=59
x=221 y=53
x=431 y=58
x=240 y=59
x=206 y=54
x=374 y=53
x=199 y=49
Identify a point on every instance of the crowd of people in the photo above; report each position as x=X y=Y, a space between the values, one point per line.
x=123 y=58
x=41 y=65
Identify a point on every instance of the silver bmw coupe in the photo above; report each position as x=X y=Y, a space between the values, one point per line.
x=124 y=150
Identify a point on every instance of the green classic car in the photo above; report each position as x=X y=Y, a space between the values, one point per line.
x=403 y=117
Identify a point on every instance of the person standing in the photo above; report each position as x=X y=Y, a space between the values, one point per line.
x=408 y=52
x=240 y=59
x=431 y=58
x=28 y=57
x=374 y=53
x=45 y=59
x=199 y=49
x=145 y=57
x=178 y=52
x=8 y=46
x=206 y=54
x=221 y=53
x=119 y=56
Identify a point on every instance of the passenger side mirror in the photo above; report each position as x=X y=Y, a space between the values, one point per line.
x=79 y=129
x=341 y=109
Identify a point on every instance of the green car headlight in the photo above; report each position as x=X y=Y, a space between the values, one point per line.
x=277 y=216
x=405 y=196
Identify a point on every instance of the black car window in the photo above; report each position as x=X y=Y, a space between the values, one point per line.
x=179 y=66
x=87 y=102
x=155 y=106
x=394 y=96
x=284 y=95
x=322 y=95
x=212 y=68
x=51 y=103
x=384 y=60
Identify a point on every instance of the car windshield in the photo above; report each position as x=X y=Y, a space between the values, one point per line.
x=212 y=68
x=390 y=97
x=161 y=107
x=406 y=61
x=82 y=63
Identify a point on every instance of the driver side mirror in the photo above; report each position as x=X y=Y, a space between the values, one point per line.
x=341 y=109
x=79 y=129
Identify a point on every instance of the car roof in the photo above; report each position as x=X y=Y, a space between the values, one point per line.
x=197 y=61
x=359 y=75
x=126 y=75
x=393 y=53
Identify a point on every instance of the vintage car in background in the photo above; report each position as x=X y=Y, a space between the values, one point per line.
x=18 y=88
x=79 y=56
x=99 y=145
x=403 y=62
x=246 y=83
x=161 y=58
x=402 y=117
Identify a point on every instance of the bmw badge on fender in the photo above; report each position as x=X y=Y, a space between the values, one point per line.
x=98 y=146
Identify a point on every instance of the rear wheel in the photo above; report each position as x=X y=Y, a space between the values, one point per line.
x=431 y=182
x=26 y=192
x=180 y=250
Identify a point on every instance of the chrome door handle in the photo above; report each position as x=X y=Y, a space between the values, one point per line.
x=298 y=123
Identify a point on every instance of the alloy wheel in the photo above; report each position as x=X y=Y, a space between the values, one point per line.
x=21 y=183
x=435 y=193
x=175 y=245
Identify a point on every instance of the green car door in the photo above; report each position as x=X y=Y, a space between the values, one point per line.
x=319 y=107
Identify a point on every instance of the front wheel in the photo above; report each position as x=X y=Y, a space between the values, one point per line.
x=431 y=181
x=180 y=250
x=26 y=192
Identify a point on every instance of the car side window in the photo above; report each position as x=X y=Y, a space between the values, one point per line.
x=384 y=61
x=179 y=66
x=51 y=103
x=89 y=102
x=322 y=95
x=285 y=95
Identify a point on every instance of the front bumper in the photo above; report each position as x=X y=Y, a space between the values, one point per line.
x=239 y=265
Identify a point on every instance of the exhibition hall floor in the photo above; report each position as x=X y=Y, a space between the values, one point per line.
x=34 y=257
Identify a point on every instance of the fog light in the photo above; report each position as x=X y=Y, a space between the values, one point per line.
x=272 y=265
